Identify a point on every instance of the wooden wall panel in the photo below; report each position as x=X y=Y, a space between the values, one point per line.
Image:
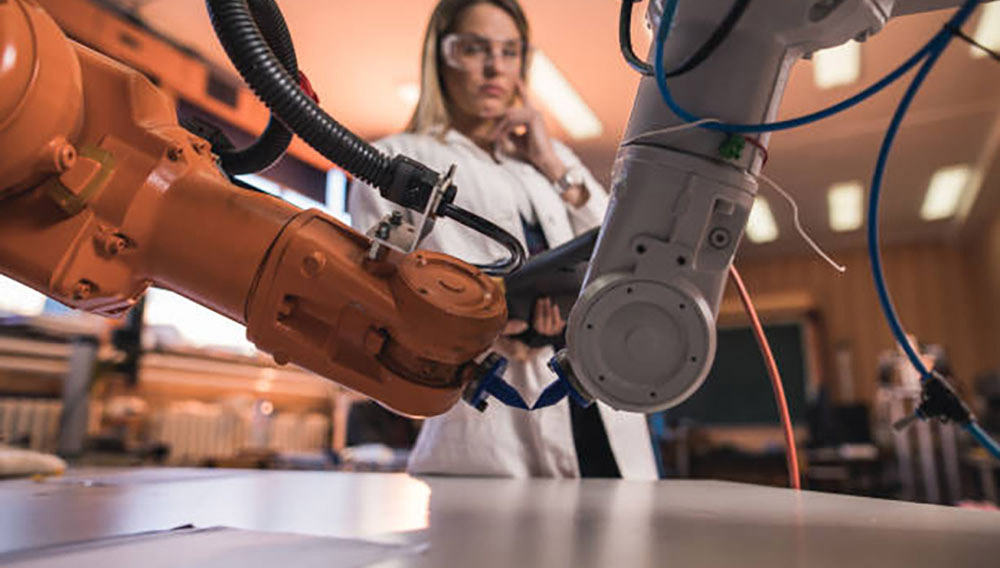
x=986 y=271
x=938 y=291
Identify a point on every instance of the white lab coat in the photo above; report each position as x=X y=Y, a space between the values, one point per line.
x=503 y=441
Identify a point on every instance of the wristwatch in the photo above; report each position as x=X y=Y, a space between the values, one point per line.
x=571 y=178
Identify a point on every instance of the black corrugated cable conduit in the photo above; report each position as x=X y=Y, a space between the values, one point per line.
x=273 y=142
x=234 y=25
x=400 y=179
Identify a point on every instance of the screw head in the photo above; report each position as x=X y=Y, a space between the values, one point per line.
x=720 y=238
x=313 y=264
x=65 y=157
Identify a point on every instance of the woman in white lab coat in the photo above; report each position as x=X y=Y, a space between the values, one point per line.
x=473 y=113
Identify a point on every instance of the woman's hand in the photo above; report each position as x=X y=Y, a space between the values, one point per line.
x=547 y=320
x=522 y=133
x=515 y=350
x=514 y=327
x=522 y=130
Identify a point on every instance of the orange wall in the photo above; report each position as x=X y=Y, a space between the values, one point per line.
x=939 y=292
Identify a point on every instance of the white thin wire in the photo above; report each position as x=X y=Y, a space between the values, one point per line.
x=670 y=130
x=795 y=207
x=798 y=226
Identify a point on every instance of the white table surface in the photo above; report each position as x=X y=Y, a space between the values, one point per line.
x=482 y=523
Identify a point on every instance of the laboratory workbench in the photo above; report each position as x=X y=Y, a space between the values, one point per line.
x=493 y=522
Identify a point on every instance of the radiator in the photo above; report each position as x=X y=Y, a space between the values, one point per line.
x=195 y=432
x=30 y=423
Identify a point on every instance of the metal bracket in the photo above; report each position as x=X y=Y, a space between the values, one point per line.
x=391 y=231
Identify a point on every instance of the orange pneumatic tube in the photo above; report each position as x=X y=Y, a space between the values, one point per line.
x=103 y=194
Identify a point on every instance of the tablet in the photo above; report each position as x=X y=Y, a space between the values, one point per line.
x=556 y=273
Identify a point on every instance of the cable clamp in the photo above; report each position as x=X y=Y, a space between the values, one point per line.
x=393 y=232
x=938 y=400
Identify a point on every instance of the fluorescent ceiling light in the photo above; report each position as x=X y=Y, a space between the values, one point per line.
x=761 y=227
x=837 y=66
x=562 y=100
x=988 y=29
x=409 y=93
x=944 y=192
x=845 y=201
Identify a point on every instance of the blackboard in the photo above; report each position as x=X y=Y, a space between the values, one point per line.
x=738 y=390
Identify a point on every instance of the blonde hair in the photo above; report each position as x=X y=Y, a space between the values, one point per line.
x=432 y=112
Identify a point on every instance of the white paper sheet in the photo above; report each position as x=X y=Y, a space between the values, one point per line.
x=212 y=548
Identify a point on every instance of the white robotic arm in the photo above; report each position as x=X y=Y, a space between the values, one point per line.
x=641 y=337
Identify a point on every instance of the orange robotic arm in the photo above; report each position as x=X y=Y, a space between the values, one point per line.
x=103 y=194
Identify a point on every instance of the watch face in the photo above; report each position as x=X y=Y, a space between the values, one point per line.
x=571 y=178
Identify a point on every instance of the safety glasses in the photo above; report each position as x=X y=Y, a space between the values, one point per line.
x=471 y=52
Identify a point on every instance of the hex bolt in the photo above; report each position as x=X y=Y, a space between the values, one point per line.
x=83 y=290
x=200 y=147
x=383 y=231
x=115 y=244
x=65 y=157
x=175 y=152
x=396 y=218
x=111 y=243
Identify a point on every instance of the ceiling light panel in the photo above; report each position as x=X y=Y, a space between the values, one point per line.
x=845 y=203
x=561 y=99
x=945 y=192
x=761 y=227
x=988 y=29
x=409 y=93
x=837 y=66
